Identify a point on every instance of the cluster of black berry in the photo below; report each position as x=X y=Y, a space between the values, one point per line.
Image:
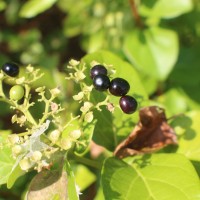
x=117 y=87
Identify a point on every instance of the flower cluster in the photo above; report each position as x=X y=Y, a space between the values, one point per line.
x=51 y=133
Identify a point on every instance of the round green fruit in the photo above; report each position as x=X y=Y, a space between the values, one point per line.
x=16 y=92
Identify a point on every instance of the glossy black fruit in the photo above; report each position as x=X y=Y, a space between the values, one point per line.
x=119 y=87
x=11 y=69
x=97 y=70
x=128 y=104
x=101 y=82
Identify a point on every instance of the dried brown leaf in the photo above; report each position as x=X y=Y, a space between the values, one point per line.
x=151 y=133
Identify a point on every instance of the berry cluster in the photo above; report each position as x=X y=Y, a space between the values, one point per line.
x=117 y=87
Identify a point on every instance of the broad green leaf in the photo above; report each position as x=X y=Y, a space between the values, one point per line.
x=6 y=164
x=156 y=177
x=187 y=127
x=174 y=101
x=154 y=51
x=165 y=9
x=72 y=188
x=111 y=128
x=14 y=175
x=34 y=7
x=49 y=184
x=84 y=177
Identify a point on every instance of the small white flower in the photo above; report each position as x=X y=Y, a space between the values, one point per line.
x=55 y=92
x=89 y=117
x=75 y=134
x=86 y=106
x=54 y=135
x=74 y=62
x=66 y=143
x=79 y=96
x=25 y=164
x=36 y=156
x=40 y=89
x=14 y=138
x=79 y=75
x=29 y=68
x=16 y=150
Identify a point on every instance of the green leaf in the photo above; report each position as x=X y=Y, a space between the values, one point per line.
x=156 y=177
x=173 y=101
x=71 y=187
x=49 y=184
x=166 y=9
x=6 y=164
x=35 y=7
x=111 y=128
x=187 y=128
x=14 y=175
x=154 y=51
x=84 y=177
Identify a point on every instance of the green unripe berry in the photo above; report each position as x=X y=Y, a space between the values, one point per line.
x=16 y=92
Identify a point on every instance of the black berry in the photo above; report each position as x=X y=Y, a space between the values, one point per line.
x=97 y=70
x=128 y=104
x=101 y=82
x=119 y=87
x=11 y=69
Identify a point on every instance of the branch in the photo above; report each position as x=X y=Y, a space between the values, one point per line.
x=136 y=15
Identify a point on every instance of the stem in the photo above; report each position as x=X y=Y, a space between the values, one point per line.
x=86 y=161
x=136 y=15
x=1 y=89
x=46 y=109
x=5 y=100
x=25 y=107
x=24 y=134
x=29 y=117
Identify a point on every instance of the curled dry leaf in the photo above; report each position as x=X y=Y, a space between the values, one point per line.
x=150 y=134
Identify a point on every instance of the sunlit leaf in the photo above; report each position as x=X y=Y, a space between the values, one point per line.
x=6 y=164
x=34 y=7
x=156 y=177
x=166 y=9
x=14 y=175
x=187 y=127
x=154 y=51
x=84 y=177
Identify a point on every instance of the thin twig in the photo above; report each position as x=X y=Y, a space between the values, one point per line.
x=136 y=15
